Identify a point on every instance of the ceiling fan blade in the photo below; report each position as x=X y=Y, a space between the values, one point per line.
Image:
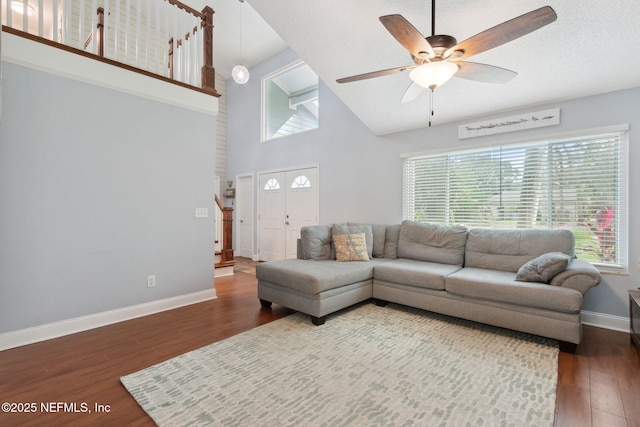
x=412 y=92
x=374 y=74
x=483 y=73
x=407 y=35
x=505 y=32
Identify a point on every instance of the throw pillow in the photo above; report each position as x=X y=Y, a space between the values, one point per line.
x=340 y=229
x=543 y=268
x=351 y=247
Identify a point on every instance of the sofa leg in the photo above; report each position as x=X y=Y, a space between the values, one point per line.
x=568 y=347
x=318 y=320
x=265 y=304
x=380 y=303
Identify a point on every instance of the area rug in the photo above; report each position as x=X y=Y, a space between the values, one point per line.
x=367 y=366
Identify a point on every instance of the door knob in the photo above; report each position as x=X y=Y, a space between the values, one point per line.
x=287 y=223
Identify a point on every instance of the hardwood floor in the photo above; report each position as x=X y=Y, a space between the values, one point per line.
x=598 y=386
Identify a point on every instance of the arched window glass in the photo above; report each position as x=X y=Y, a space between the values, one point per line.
x=272 y=184
x=301 y=181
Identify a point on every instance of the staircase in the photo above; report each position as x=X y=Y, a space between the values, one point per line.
x=224 y=260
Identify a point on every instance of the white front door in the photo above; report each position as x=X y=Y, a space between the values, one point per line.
x=271 y=233
x=288 y=201
x=302 y=205
x=244 y=216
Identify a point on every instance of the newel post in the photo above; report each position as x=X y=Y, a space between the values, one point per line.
x=208 y=72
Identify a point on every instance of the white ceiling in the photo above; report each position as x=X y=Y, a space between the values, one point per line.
x=256 y=43
x=592 y=48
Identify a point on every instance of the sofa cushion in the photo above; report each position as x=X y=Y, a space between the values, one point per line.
x=392 y=234
x=501 y=286
x=316 y=242
x=543 y=268
x=313 y=276
x=433 y=243
x=379 y=231
x=350 y=247
x=344 y=229
x=508 y=250
x=410 y=272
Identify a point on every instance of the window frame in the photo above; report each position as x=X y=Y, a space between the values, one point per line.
x=622 y=243
x=264 y=137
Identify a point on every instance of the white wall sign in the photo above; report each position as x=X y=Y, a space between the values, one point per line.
x=537 y=119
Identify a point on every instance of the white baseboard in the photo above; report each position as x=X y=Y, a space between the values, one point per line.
x=224 y=271
x=71 y=326
x=606 y=321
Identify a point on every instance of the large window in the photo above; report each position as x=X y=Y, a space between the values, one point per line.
x=577 y=184
x=290 y=101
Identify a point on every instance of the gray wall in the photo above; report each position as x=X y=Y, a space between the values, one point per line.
x=361 y=174
x=98 y=190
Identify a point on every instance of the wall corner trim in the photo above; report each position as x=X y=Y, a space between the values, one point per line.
x=78 y=324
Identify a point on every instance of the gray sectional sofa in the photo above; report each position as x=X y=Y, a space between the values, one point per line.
x=526 y=280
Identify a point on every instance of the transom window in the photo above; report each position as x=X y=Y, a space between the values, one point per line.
x=271 y=184
x=301 y=181
x=578 y=184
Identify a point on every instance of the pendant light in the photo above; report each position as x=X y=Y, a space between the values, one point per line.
x=240 y=73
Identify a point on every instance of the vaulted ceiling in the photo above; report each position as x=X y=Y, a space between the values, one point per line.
x=593 y=47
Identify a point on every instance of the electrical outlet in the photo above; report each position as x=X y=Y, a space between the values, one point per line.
x=151 y=281
x=202 y=212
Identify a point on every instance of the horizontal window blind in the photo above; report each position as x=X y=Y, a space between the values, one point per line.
x=576 y=184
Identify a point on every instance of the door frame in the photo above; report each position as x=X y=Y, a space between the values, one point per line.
x=252 y=213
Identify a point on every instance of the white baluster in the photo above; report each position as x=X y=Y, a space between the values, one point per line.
x=9 y=14
x=25 y=16
x=127 y=30
x=137 y=40
x=81 y=36
x=167 y=11
x=116 y=38
x=148 y=40
x=40 y=18
x=94 y=26
x=54 y=24
x=106 y=29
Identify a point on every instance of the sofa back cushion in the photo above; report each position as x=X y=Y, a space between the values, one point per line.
x=508 y=250
x=433 y=243
x=391 y=236
x=316 y=242
x=378 y=238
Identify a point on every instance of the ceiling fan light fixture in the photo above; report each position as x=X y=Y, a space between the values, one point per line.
x=433 y=74
x=240 y=74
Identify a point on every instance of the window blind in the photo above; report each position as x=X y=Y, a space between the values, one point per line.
x=576 y=184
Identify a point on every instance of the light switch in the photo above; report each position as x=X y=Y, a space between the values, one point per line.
x=202 y=212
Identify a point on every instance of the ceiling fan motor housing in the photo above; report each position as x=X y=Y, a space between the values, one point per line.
x=440 y=44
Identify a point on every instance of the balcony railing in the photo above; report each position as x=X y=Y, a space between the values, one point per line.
x=160 y=37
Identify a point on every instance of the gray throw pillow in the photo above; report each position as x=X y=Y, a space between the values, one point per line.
x=543 y=268
x=316 y=242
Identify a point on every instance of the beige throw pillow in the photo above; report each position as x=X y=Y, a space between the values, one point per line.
x=351 y=247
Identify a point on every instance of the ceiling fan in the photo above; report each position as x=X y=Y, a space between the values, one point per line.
x=437 y=58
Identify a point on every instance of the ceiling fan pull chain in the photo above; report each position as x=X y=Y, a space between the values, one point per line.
x=430 y=106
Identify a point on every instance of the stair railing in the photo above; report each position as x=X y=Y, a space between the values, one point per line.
x=224 y=217
x=163 y=37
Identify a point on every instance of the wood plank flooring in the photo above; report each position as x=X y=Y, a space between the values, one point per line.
x=598 y=386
